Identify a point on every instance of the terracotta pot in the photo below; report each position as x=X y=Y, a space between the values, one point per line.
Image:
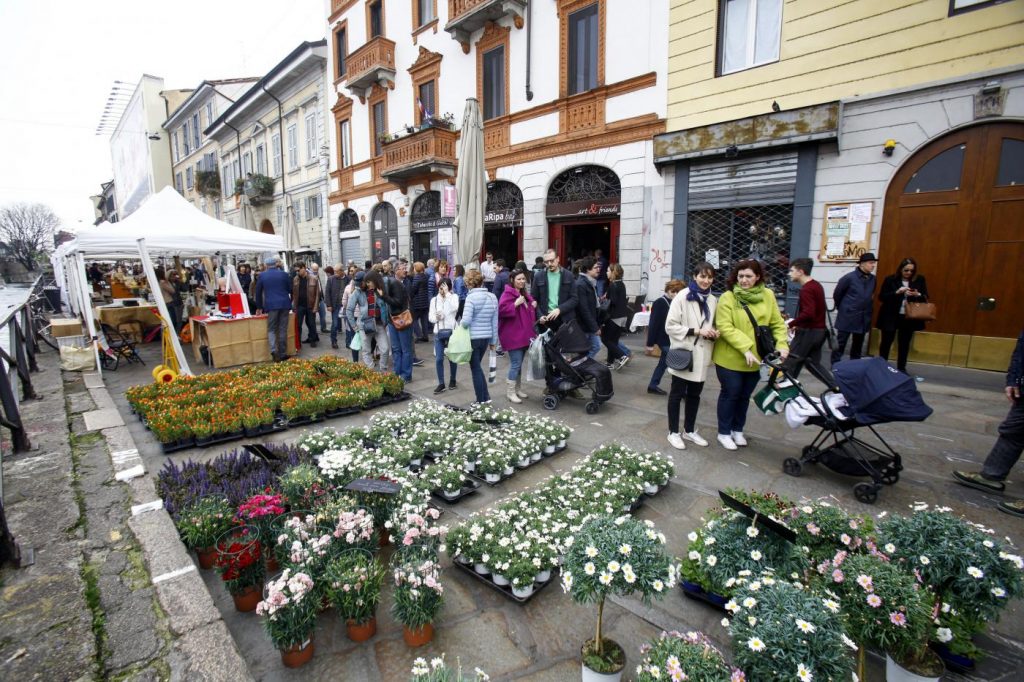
x=298 y=655
x=418 y=637
x=247 y=599
x=383 y=537
x=206 y=555
x=272 y=565
x=360 y=632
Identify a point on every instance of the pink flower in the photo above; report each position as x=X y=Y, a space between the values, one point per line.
x=407 y=540
x=838 y=576
x=874 y=601
x=813 y=529
x=897 y=618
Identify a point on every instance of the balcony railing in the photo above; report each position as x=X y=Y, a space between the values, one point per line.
x=466 y=16
x=426 y=152
x=372 y=63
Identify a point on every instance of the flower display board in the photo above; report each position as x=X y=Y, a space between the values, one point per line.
x=523 y=539
x=198 y=410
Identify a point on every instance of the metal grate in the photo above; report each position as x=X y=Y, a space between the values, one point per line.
x=726 y=235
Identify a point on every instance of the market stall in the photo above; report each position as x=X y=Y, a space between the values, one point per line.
x=234 y=341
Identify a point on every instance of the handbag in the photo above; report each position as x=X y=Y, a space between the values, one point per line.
x=402 y=320
x=356 y=343
x=460 y=346
x=679 y=359
x=922 y=311
x=763 y=338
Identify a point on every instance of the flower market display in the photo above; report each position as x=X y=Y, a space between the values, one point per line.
x=203 y=409
x=614 y=556
x=289 y=612
x=353 y=583
x=516 y=544
x=419 y=596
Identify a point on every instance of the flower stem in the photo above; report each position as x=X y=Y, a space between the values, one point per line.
x=599 y=640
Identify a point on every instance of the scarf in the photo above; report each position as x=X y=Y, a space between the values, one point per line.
x=754 y=294
x=701 y=296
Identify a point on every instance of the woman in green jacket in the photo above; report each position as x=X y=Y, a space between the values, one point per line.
x=735 y=353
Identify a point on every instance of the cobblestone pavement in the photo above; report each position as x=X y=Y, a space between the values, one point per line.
x=540 y=641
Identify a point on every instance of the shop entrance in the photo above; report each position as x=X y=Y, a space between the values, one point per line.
x=572 y=241
x=583 y=213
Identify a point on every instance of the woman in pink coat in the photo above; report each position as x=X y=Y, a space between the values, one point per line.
x=516 y=320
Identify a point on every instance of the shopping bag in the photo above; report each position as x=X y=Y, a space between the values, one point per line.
x=356 y=343
x=74 y=359
x=460 y=346
x=492 y=373
x=535 y=358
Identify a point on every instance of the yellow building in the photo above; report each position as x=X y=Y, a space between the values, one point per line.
x=830 y=129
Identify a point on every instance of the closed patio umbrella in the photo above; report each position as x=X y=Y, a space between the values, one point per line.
x=471 y=183
x=291 y=228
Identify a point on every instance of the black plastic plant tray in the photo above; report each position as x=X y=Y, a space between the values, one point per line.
x=180 y=444
x=468 y=489
x=505 y=590
x=480 y=477
x=341 y=412
x=650 y=495
x=695 y=591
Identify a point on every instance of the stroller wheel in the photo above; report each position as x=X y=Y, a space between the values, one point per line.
x=551 y=402
x=792 y=466
x=593 y=406
x=866 y=492
x=890 y=475
x=809 y=452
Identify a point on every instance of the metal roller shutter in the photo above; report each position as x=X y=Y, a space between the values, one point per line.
x=758 y=181
x=350 y=252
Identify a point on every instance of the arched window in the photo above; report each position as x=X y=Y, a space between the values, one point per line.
x=348 y=221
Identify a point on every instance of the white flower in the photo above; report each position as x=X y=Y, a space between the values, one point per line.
x=694 y=555
x=731 y=606
x=975 y=572
x=709 y=540
x=845 y=539
x=711 y=560
x=625 y=550
x=613 y=566
x=804 y=626
x=725 y=622
x=831 y=604
x=943 y=634
x=890 y=548
x=755 y=644
x=752 y=532
x=658 y=585
x=849 y=642
x=591 y=551
x=924 y=560
x=749 y=603
x=606 y=579
x=755 y=555
x=998 y=592
x=590 y=568
x=752 y=621
x=804 y=673
x=692 y=536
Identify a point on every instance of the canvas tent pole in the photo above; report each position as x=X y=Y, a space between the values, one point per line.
x=147 y=267
x=87 y=311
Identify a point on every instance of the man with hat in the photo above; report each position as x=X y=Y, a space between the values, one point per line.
x=274 y=296
x=853 y=297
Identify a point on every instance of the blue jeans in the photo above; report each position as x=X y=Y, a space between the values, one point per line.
x=659 y=369
x=1008 y=447
x=734 y=398
x=439 y=346
x=401 y=351
x=479 y=378
x=335 y=324
x=515 y=362
x=595 y=345
x=349 y=335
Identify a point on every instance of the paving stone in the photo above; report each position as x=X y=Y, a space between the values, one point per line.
x=207 y=654
x=102 y=419
x=560 y=672
x=80 y=402
x=103 y=398
x=131 y=631
x=93 y=380
x=161 y=547
x=356 y=665
x=118 y=438
x=187 y=603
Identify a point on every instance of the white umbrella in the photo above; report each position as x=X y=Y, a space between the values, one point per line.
x=291 y=229
x=471 y=183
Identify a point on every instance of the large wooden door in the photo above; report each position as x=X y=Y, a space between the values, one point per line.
x=957 y=207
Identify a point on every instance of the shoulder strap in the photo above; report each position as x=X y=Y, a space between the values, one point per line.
x=753 y=322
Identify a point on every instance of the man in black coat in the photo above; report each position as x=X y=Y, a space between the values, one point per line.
x=1008 y=448
x=852 y=300
x=554 y=308
x=586 y=303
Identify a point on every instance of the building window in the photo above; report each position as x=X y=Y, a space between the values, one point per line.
x=340 y=51
x=246 y=163
x=313 y=207
x=750 y=33
x=583 y=37
x=195 y=130
x=228 y=185
x=280 y=214
x=345 y=143
x=425 y=102
x=494 y=82
x=311 y=137
x=275 y=154
x=293 y=147
x=216 y=209
x=261 y=160
x=375 y=18
x=961 y=6
x=189 y=184
x=177 y=182
x=209 y=113
x=426 y=12
x=186 y=138
x=177 y=152
x=378 y=127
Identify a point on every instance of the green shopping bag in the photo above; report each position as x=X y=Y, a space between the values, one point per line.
x=356 y=343
x=460 y=347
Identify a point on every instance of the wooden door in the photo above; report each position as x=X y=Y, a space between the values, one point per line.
x=957 y=207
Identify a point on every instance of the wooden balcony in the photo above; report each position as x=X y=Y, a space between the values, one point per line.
x=372 y=63
x=425 y=154
x=466 y=16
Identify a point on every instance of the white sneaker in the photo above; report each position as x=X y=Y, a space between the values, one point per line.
x=695 y=438
x=737 y=437
x=676 y=441
x=727 y=442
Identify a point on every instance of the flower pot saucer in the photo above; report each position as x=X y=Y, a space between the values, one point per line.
x=505 y=590
x=480 y=477
x=468 y=488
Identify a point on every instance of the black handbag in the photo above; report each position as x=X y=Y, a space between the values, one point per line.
x=679 y=359
x=763 y=338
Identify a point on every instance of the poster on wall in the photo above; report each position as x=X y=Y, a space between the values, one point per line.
x=449 y=201
x=846 y=231
x=444 y=236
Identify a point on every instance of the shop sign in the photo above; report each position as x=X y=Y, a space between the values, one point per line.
x=444 y=236
x=419 y=224
x=584 y=209
x=449 y=201
x=503 y=215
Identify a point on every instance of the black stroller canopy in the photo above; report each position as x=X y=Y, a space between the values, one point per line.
x=570 y=339
x=878 y=393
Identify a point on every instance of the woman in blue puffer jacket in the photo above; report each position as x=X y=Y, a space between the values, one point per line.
x=480 y=316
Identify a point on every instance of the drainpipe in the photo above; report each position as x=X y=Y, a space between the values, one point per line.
x=238 y=143
x=529 y=33
x=280 y=133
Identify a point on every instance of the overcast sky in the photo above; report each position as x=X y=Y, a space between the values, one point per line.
x=59 y=59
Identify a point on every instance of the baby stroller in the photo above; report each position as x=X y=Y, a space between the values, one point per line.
x=861 y=394
x=568 y=368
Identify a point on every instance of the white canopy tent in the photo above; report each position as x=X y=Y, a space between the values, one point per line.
x=166 y=225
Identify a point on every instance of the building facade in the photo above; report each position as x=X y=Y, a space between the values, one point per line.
x=139 y=149
x=104 y=205
x=830 y=129
x=194 y=154
x=572 y=93
x=273 y=165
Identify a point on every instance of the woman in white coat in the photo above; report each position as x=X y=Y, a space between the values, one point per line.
x=690 y=326
x=443 y=309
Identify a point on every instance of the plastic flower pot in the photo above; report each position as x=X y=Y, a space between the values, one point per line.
x=418 y=636
x=298 y=655
x=360 y=632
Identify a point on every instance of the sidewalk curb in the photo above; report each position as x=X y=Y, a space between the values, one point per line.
x=202 y=649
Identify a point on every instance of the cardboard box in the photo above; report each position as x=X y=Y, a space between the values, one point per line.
x=64 y=327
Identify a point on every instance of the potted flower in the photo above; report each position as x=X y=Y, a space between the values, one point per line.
x=678 y=656
x=491 y=465
x=521 y=574
x=439 y=671
x=201 y=523
x=289 y=616
x=240 y=564
x=414 y=528
x=353 y=583
x=972 y=576
x=302 y=542
x=614 y=556
x=447 y=479
x=355 y=530
x=300 y=486
x=418 y=598
x=259 y=511
x=886 y=609
x=781 y=630
x=824 y=528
